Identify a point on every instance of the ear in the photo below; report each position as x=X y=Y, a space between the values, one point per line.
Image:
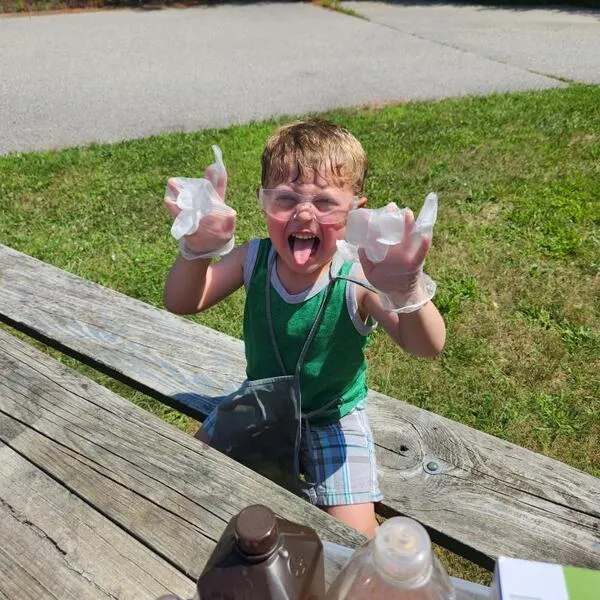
x=362 y=202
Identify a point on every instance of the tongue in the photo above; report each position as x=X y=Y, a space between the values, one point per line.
x=302 y=249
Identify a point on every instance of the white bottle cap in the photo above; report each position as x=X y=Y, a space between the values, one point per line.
x=403 y=551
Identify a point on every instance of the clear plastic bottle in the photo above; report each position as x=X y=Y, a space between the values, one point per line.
x=398 y=564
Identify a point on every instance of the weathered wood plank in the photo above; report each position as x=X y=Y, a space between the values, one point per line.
x=490 y=495
x=54 y=545
x=118 y=334
x=512 y=501
x=164 y=487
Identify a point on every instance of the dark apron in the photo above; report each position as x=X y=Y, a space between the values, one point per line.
x=260 y=424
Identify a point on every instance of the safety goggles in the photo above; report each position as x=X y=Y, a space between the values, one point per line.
x=328 y=208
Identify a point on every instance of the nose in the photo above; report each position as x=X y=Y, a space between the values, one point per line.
x=304 y=212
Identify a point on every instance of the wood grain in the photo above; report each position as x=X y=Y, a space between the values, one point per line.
x=54 y=545
x=162 y=487
x=489 y=497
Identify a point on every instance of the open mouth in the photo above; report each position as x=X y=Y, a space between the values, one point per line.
x=303 y=246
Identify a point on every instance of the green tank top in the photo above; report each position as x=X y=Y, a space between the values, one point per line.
x=335 y=364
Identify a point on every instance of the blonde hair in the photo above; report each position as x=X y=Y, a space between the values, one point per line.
x=314 y=146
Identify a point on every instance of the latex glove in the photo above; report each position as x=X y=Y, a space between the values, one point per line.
x=203 y=222
x=392 y=247
x=374 y=230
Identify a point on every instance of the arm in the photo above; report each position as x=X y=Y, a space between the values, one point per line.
x=406 y=312
x=195 y=285
x=421 y=333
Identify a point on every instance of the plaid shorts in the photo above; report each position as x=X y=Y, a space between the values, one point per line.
x=337 y=461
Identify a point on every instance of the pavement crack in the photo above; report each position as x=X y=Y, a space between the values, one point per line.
x=471 y=53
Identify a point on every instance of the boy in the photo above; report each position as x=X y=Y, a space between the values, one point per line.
x=305 y=325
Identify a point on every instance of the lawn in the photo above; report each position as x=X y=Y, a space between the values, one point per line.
x=516 y=249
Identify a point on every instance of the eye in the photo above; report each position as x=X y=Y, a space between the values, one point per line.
x=326 y=204
x=286 y=198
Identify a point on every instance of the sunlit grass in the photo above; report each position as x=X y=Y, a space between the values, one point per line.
x=516 y=251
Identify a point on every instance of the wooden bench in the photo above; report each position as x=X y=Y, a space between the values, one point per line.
x=479 y=496
x=100 y=499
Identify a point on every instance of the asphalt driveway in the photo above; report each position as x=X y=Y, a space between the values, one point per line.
x=72 y=79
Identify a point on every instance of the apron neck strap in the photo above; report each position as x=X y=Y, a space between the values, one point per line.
x=313 y=329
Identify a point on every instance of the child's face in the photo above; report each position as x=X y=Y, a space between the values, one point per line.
x=302 y=240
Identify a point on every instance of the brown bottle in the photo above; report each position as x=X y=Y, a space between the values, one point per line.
x=262 y=557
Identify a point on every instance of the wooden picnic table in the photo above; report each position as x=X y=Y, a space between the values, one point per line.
x=100 y=499
x=163 y=493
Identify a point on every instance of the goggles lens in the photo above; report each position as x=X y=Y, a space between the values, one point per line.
x=327 y=208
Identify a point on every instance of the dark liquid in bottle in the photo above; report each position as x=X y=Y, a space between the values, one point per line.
x=263 y=557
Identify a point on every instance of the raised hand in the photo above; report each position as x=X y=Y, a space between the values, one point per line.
x=403 y=262
x=399 y=275
x=202 y=219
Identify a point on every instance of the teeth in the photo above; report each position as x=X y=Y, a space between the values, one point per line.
x=304 y=237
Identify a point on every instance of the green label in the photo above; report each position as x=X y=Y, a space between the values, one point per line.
x=582 y=584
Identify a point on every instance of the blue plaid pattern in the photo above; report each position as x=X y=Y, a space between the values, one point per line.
x=337 y=460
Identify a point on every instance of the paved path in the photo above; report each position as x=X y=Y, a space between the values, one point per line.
x=105 y=76
x=563 y=44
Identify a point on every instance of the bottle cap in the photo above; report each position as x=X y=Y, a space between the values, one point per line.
x=256 y=530
x=403 y=550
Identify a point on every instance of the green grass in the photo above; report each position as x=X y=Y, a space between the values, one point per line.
x=337 y=6
x=516 y=251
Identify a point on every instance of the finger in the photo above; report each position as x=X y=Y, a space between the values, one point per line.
x=423 y=249
x=172 y=190
x=409 y=226
x=172 y=207
x=428 y=214
x=172 y=185
x=218 y=224
x=218 y=177
x=365 y=263
x=231 y=222
x=222 y=184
